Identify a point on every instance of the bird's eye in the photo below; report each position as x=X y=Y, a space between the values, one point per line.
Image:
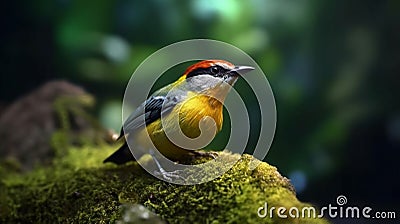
x=215 y=70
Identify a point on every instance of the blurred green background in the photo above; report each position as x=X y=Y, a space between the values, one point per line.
x=333 y=67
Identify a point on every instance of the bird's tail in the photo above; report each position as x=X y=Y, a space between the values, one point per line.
x=121 y=156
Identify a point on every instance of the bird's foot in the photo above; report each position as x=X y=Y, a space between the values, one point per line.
x=170 y=176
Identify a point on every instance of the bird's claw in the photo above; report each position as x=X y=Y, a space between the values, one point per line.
x=169 y=176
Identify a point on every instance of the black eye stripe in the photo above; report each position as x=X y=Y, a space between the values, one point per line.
x=197 y=71
x=215 y=70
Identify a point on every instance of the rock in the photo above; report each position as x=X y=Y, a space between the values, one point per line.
x=55 y=110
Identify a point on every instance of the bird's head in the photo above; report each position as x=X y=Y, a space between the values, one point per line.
x=213 y=76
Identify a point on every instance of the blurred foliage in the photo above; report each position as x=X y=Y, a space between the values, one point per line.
x=332 y=65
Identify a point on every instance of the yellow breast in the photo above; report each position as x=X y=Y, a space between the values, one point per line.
x=194 y=110
x=190 y=113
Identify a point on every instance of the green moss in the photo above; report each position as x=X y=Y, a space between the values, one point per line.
x=79 y=188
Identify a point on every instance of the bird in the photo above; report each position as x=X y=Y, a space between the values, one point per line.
x=198 y=93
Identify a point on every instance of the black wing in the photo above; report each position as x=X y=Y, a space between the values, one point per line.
x=152 y=111
x=153 y=108
x=148 y=112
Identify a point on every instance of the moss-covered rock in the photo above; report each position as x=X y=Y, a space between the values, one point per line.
x=79 y=188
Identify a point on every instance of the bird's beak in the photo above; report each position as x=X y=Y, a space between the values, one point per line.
x=241 y=69
x=234 y=73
